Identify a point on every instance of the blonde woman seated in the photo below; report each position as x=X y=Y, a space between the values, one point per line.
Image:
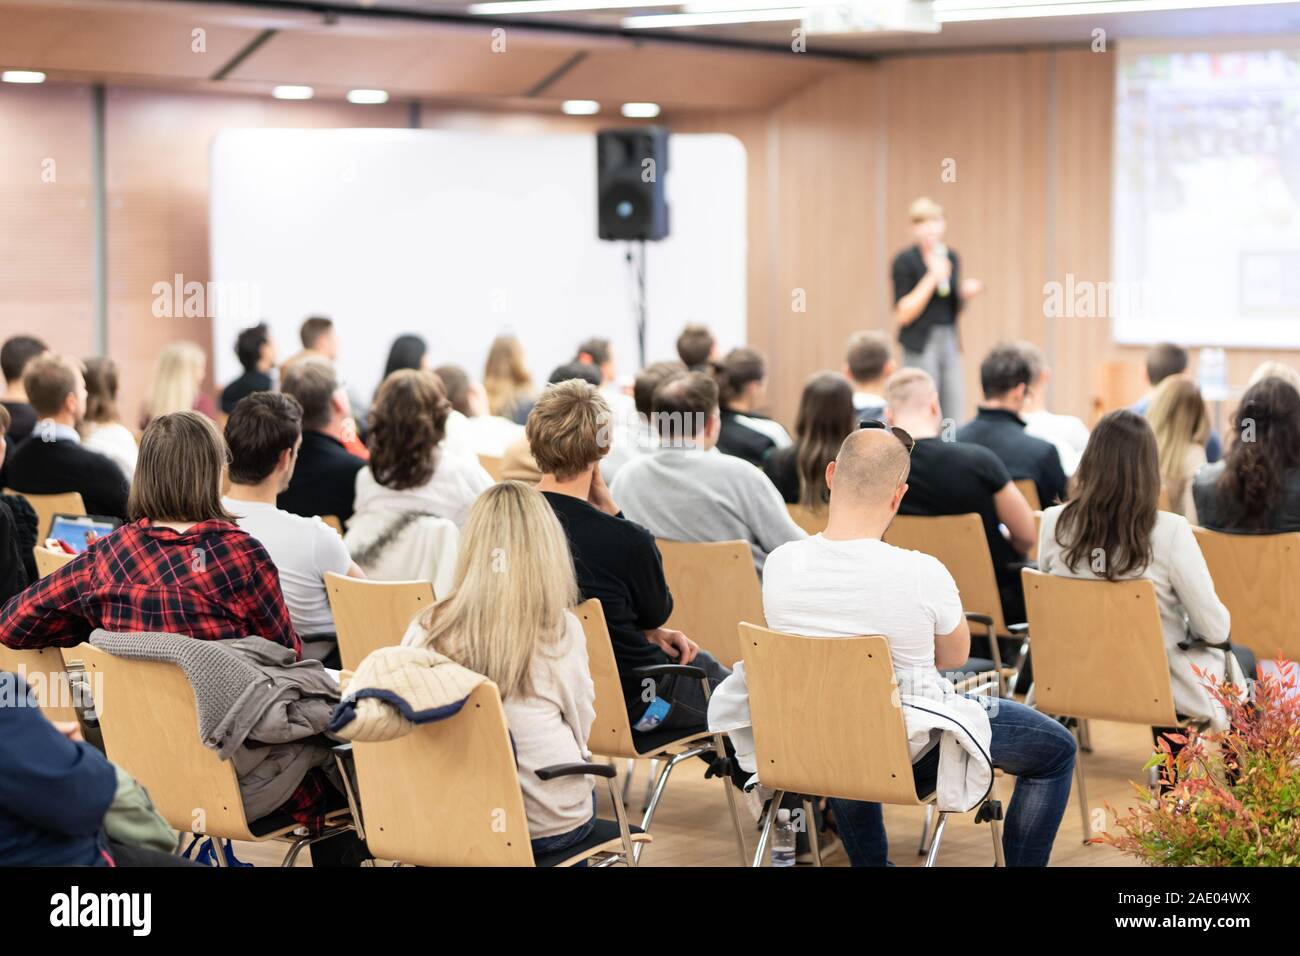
x=1182 y=426
x=507 y=617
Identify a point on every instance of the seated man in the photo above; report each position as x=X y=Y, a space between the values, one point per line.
x=256 y=353
x=687 y=490
x=615 y=560
x=635 y=435
x=264 y=434
x=517 y=464
x=868 y=363
x=1005 y=375
x=957 y=478
x=815 y=588
x=325 y=481
x=52 y=460
x=1068 y=433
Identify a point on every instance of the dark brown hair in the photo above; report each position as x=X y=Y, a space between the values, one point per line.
x=695 y=345
x=826 y=418
x=312 y=329
x=682 y=406
x=258 y=431
x=649 y=379
x=867 y=355
x=1254 y=470
x=456 y=384
x=313 y=382
x=101 y=390
x=178 y=473
x=1164 y=360
x=1116 y=497
x=741 y=367
x=407 y=422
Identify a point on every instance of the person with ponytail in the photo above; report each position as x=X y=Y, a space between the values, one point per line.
x=1255 y=489
x=742 y=390
x=827 y=416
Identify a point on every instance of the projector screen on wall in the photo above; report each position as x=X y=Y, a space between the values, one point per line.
x=1206 y=244
x=458 y=237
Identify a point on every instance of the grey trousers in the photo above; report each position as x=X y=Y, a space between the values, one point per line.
x=941 y=357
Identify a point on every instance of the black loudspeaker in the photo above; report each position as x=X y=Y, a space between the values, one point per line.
x=630 y=169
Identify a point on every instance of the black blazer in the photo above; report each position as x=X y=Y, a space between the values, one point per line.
x=56 y=467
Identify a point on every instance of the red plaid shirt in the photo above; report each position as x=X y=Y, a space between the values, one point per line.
x=210 y=582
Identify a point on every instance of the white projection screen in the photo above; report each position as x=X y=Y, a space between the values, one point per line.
x=1206 y=244
x=458 y=237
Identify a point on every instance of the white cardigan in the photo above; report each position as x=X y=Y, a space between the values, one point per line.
x=1185 y=595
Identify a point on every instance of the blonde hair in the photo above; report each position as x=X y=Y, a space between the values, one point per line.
x=505 y=376
x=1177 y=416
x=568 y=429
x=514 y=582
x=1275 y=369
x=924 y=209
x=177 y=378
x=907 y=388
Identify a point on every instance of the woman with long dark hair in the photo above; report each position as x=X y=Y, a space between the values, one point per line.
x=407 y=351
x=826 y=417
x=1112 y=530
x=742 y=391
x=1255 y=489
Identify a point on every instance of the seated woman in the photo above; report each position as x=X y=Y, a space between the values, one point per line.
x=516 y=629
x=102 y=429
x=17 y=533
x=1255 y=488
x=1181 y=425
x=182 y=566
x=742 y=390
x=1111 y=530
x=827 y=416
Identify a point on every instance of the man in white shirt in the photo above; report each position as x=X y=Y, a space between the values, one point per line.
x=868 y=363
x=264 y=433
x=846 y=582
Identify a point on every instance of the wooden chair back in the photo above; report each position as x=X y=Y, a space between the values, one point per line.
x=48 y=560
x=43 y=671
x=1030 y=491
x=715 y=587
x=369 y=615
x=958 y=542
x=826 y=716
x=47 y=506
x=492 y=465
x=812 y=520
x=611 y=731
x=1256 y=577
x=333 y=521
x=1099 y=649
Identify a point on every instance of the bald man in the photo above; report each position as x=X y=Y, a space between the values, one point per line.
x=846 y=581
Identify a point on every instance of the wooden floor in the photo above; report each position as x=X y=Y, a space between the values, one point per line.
x=691 y=826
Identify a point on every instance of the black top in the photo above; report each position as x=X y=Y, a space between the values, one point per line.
x=25 y=522
x=1003 y=433
x=1209 y=504
x=14 y=576
x=22 y=420
x=956 y=478
x=909 y=268
x=617 y=561
x=738 y=439
x=57 y=467
x=246 y=384
x=783 y=469
x=324 y=481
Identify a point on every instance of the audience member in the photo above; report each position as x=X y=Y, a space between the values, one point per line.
x=1165 y=360
x=256 y=354
x=1255 y=489
x=264 y=433
x=517 y=464
x=102 y=429
x=827 y=415
x=1067 y=433
x=742 y=389
x=1005 y=375
x=815 y=588
x=697 y=348
x=325 y=481
x=506 y=379
x=1112 y=530
x=687 y=490
x=955 y=478
x=319 y=340
x=23 y=536
x=407 y=352
x=636 y=434
x=868 y=363
x=181 y=566
x=407 y=470
x=14 y=356
x=178 y=383
x=53 y=460
x=616 y=560
x=1274 y=369
x=470 y=429
x=1178 y=418
x=517 y=630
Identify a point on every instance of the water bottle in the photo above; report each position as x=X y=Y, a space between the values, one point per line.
x=1212 y=374
x=783 y=848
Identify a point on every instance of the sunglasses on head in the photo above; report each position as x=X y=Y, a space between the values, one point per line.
x=908 y=441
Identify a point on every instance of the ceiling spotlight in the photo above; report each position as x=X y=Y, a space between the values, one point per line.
x=292 y=92
x=367 y=96
x=640 y=110
x=580 y=107
x=22 y=76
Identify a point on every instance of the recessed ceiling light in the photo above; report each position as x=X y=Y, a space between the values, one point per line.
x=22 y=76
x=367 y=96
x=580 y=107
x=292 y=92
x=651 y=21
x=499 y=7
x=640 y=110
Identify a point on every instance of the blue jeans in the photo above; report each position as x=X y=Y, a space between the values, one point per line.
x=1030 y=745
x=561 y=840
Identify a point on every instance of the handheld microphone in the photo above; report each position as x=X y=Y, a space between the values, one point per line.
x=945 y=287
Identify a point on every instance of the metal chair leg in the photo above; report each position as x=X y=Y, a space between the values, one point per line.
x=649 y=784
x=1029 y=696
x=768 y=819
x=659 y=785
x=938 y=837
x=811 y=820
x=924 y=845
x=219 y=851
x=995 y=827
x=627 y=778
x=1085 y=735
x=1082 y=793
x=625 y=832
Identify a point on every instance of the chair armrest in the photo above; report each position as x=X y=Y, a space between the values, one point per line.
x=1018 y=629
x=342 y=750
x=576 y=769
x=979 y=619
x=662 y=670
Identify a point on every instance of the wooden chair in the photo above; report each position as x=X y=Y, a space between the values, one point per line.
x=826 y=721
x=812 y=520
x=447 y=794
x=1256 y=577
x=1099 y=652
x=958 y=542
x=492 y=465
x=49 y=560
x=43 y=670
x=369 y=615
x=612 y=734
x=150 y=723
x=47 y=506
x=333 y=521
x=1030 y=491
x=714 y=587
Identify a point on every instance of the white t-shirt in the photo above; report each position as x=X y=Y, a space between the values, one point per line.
x=114 y=440
x=822 y=588
x=303 y=549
